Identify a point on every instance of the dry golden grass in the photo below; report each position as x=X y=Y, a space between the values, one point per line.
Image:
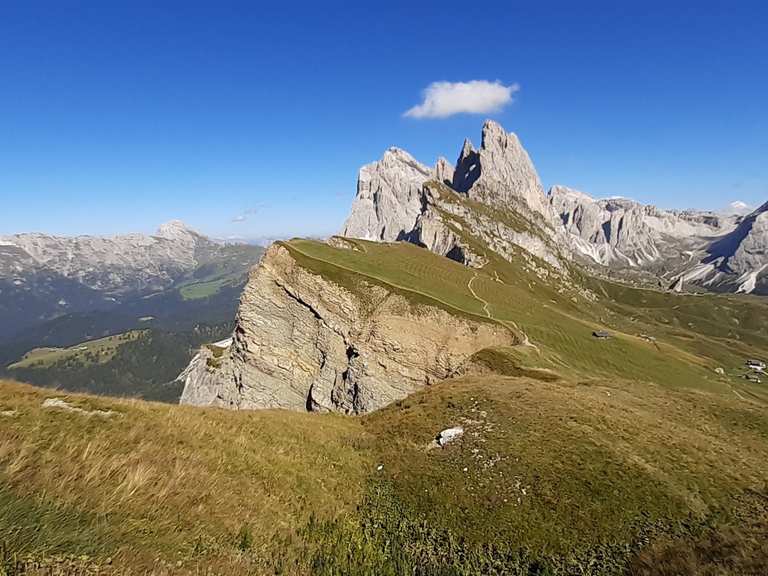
x=166 y=481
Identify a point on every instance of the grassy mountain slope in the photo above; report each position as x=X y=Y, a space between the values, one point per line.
x=672 y=340
x=580 y=456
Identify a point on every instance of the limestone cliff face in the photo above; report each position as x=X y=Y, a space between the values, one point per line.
x=396 y=201
x=502 y=175
x=739 y=260
x=724 y=252
x=388 y=197
x=622 y=232
x=303 y=342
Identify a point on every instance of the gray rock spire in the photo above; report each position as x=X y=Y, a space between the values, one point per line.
x=388 y=197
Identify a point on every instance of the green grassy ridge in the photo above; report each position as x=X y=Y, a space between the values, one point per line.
x=558 y=325
x=605 y=466
x=401 y=268
x=167 y=481
x=99 y=350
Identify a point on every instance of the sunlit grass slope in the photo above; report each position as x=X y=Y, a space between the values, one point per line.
x=89 y=352
x=156 y=481
x=673 y=340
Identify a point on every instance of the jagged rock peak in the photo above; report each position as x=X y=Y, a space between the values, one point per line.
x=388 y=198
x=394 y=156
x=467 y=148
x=467 y=168
x=503 y=175
x=444 y=171
x=495 y=137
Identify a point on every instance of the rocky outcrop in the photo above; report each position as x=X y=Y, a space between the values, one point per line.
x=738 y=261
x=397 y=200
x=304 y=342
x=502 y=175
x=388 y=199
x=447 y=224
x=444 y=171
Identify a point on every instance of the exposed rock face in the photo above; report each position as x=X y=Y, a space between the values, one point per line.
x=617 y=231
x=109 y=263
x=501 y=174
x=716 y=251
x=740 y=259
x=467 y=168
x=444 y=171
x=607 y=230
x=444 y=223
x=388 y=197
x=305 y=343
x=396 y=200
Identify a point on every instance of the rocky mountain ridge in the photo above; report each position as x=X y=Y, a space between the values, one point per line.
x=313 y=334
x=114 y=264
x=493 y=193
x=502 y=201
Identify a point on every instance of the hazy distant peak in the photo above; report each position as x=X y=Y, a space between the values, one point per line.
x=174 y=230
x=738 y=208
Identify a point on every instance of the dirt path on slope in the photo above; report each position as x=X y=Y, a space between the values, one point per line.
x=483 y=302
x=525 y=340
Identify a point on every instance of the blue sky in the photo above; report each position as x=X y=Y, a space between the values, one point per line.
x=251 y=119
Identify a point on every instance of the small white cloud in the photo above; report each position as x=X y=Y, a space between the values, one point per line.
x=239 y=218
x=443 y=99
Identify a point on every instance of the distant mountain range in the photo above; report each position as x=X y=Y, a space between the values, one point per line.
x=59 y=291
x=399 y=198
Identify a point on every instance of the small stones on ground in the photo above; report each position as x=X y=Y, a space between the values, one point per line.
x=9 y=413
x=720 y=371
x=60 y=404
x=380 y=467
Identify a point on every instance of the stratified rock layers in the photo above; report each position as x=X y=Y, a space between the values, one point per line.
x=303 y=342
